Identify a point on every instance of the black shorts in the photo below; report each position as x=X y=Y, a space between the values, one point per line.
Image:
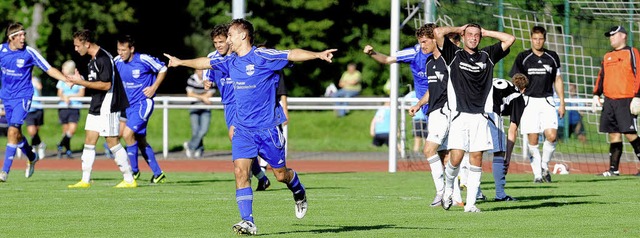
x=35 y=118
x=420 y=128
x=616 y=117
x=381 y=139
x=68 y=115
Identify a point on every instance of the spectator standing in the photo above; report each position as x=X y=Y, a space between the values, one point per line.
x=200 y=117
x=69 y=113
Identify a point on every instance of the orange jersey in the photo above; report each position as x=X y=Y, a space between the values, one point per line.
x=618 y=77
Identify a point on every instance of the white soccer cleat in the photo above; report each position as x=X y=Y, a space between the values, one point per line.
x=245 y=228
x=187 y=151
x=41 y=150
x=3 y=176
x=31 y=166
x=471 y=208
x=301 y=207
x=437 y=201
x=447 y=201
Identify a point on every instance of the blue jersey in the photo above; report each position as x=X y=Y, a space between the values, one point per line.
x=138 y=74
x=221 y=79
x=418 y=64
x=255 y=78
x=16 y=71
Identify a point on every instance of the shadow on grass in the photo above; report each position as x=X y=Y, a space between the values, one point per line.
x=199 y=182
x=325 y=229
x=547 y=197
x=541 y=205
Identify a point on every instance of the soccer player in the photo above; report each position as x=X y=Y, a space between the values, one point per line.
x=514 y=109
x=17 y=61
x=70 y=115
x=416 y=56
x=469 y=97
x=259 y=116
x=505 y=95
x=108 y=99
x=619 y=81
x=225 y=86
x=542 y=68
x=141 y=75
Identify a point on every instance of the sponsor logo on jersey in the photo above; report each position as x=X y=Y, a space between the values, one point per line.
x=547 y=67
x=20 y=63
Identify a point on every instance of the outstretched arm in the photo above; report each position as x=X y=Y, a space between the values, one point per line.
x=197 y=63
x=381 y=58
x=298 y=55
x=506 y=39
x=56 y=74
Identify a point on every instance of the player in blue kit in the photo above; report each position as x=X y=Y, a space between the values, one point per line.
x=17 y=61
x=416 y=56
x=259 y=116
x=141 y=75
x=225 y=86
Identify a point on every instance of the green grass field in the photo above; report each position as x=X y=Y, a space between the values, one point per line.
x=340 y=205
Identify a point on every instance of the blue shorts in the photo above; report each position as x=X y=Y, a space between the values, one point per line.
x=138 y=115
x=16 y=110
x=266 y=143
x=229 y=111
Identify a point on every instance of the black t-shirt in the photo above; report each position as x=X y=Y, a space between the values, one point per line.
x=438 y=77
x=540 y=70
x=503 y=92
x=102 y=68
x=471 y=76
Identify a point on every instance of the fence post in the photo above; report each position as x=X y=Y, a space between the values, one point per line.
x=165 y=127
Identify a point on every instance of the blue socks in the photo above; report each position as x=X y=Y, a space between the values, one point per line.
x=296 y=187
x=132 y=153
x=151 y=160
x=499 y=176
x=244 y=198
x=8 y=157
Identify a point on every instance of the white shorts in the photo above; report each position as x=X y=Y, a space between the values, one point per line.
x=469 y=132
x=438 y=127
x=539 y=114
x=107 y=123
x=497 y=133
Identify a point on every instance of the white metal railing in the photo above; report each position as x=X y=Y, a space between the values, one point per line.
x=294 y=103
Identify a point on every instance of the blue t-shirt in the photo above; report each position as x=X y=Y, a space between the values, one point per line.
x=418 y=64
x=66 y=90
x=221 y=79
x=255 y=80
x=16 y=71
x=382 y=120
x=35 y=104
x=138 y=74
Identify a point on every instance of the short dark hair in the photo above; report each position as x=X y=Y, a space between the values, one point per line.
x=219 y=30
x=539 y=29
x=426 y=30
x=127 y=39
x=520 y=81
x=84 y=35
x=245 y=25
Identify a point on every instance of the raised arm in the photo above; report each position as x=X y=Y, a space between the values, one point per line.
x=298 y=55
x=506 y=39
x=381 y=58
x=441 y=32
x=197 y=63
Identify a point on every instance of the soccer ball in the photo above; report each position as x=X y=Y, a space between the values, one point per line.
x=635 y=106
x=561 y=169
